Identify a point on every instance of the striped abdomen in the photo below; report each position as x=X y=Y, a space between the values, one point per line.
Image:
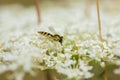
x=54 y=37
x=45 y=34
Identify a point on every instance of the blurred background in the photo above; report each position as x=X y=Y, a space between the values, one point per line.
x=109 y=6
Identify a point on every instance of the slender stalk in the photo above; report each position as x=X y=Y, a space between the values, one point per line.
x=87 y=10
x=99 y=22
x=105 y=72
x=100 y=36
x=48 y=75
x=38 y=10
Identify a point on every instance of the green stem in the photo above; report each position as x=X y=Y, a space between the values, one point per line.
x=105 y=72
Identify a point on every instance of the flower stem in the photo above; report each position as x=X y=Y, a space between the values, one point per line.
x=48 y=75
x=105 y=73
x=87 y=10
x=99 y=22
x=38 y=10
x=100 y=36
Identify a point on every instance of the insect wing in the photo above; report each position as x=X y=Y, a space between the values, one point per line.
x=52 y=30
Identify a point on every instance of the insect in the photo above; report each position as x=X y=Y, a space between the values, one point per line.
x=52 y=37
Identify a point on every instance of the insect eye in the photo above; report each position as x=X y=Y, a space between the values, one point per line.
x=62 y=38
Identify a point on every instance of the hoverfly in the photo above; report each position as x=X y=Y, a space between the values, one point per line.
x=51 y=37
